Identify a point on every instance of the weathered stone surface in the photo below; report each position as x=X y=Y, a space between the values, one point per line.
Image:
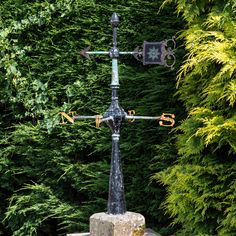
x=129 y=224
x=133 y=220
x=148 y=232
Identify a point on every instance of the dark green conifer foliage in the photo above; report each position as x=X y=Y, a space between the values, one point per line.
x=201 y=185
x=54 y=177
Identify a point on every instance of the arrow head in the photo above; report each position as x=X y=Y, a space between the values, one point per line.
x=84 y=52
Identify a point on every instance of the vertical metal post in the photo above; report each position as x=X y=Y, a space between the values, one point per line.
x=115 y=78
x=116 y=198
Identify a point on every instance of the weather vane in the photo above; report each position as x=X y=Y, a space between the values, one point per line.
x=149 y=53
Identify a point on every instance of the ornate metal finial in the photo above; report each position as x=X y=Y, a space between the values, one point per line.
x=115 y=20
x=114 y=51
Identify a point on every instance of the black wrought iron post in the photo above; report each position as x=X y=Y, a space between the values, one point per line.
x=116 y=198
x=148 y=53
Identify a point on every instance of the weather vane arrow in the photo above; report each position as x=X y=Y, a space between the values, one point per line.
x=149 y=53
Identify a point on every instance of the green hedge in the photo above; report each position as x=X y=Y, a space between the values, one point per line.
x=54 y=177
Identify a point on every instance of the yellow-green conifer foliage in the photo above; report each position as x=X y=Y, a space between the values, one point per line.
x=201 y=185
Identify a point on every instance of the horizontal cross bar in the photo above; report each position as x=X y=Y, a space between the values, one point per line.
x=107 y=53
x=107 y=118
x=144 y=117
x=85 y=52
x=93 y=117
x=128 y=53
x=169 y=118
x=98 y=119
x=97 y=52
x=84 y=117
x=127 y=117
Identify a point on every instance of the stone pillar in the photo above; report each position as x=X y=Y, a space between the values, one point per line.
x=128 y=224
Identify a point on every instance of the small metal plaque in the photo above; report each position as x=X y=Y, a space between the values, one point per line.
x=153 y=53
x=160 y=53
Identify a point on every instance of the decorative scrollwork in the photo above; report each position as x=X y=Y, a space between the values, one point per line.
x=138 y=53
x=169 y=53
x=161 y=53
